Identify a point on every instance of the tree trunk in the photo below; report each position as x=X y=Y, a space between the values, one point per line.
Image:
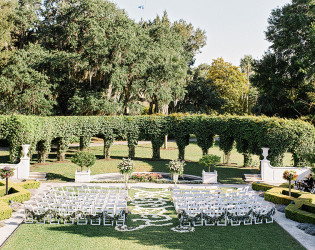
x=227 y=157
x=205 y=151
x=289 y=187
x=106 y=152
x=132 y=151
x=156 y=152
x=7 y=186
x=181 y=153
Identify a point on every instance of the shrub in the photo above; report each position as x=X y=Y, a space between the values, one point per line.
x=249 y=132
x=30 y=184
x=83 y=159
x=209 y=161
x=261 y=186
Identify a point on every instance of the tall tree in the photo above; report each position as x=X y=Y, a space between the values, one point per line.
x=231 y=85
x=23 y=89
x=6 y=26
x=285 y=75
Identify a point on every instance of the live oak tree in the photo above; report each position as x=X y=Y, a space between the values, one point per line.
x=285 y=74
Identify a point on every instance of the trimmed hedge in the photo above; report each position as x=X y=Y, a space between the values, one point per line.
x=261 y=186
x=300 y=207
x=250 y=133
x=301 y=212
x=19 y=194
x=5 y=211
x=30 y=184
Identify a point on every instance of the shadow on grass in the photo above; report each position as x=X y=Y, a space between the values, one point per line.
x=53 y=176
x=241 y=237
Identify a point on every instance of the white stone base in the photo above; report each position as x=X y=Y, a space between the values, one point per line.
x=209 y=177
x=84 y=176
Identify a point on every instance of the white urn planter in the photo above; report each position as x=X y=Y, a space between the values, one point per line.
x=175 y=178
x=209 y=177
x=82 y=176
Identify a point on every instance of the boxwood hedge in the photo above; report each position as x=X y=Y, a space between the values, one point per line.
x=19 y=193
x=300 y=206
x=250 y=133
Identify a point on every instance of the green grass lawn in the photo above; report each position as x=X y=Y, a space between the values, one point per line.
x=64 y=171
x=265 y=236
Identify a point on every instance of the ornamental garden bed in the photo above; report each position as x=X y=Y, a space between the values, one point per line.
x=300 y=206
x=17 y=193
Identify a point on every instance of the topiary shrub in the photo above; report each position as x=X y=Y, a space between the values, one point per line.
x=83 y=159
x=209 y=161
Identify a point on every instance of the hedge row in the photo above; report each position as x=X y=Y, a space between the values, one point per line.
x=250 y=133
x=300 y=207
x=19 y=194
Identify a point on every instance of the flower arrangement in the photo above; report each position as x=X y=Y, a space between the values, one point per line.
x=289 y=176
x=146 y=177
x=126 y=166
x=176 y=167
x=6 y=173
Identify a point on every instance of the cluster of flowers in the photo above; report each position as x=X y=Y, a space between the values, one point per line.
x=126 y=166
x=176 y=167
x=146 y=177
x=289 y=175
x=6 y=172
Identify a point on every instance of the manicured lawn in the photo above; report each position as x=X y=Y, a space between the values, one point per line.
x=265 y=236
x=64 y=171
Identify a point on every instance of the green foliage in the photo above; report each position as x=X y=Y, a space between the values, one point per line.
x=5 y=211
x=302 y=210
x=285 y=75
x=261 y=186
x=209 y=161
x=231 y=84
x=253 y=133
x=84 y=159
x=30 y=184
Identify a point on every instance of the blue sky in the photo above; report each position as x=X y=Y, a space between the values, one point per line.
x=233 y=27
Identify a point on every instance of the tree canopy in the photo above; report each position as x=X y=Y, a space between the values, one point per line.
x=285 y=74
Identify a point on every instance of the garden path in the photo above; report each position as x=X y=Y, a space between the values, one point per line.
x=150 y=208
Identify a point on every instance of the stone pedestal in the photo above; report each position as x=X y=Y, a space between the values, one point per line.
x=209 y=177
x=84 y=176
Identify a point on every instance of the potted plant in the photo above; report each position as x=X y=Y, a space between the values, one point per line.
x=126 y=167
x=83 y=159
x=289 y=176
x=176 y=168
x=6 y=173
x=209 y=161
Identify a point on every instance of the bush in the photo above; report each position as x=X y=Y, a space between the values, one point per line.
x=18 y=193
x=300 y=207
x=83 y=159
x=249 y=132
x=209 y=161
x=5 y=211
x=30 y=184
x=146 y=177
x=261 y=186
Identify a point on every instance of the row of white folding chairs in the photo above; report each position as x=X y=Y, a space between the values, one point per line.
x=222 y=201
x=185 y=207
x=85 y=197
x=228 y=216
x=109 y=216
x=210 y=197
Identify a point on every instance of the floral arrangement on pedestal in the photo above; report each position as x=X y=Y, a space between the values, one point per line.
x=126 y=167
x=289 y=176
x=145 y=177
x=6 y=173
x=176 y=168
